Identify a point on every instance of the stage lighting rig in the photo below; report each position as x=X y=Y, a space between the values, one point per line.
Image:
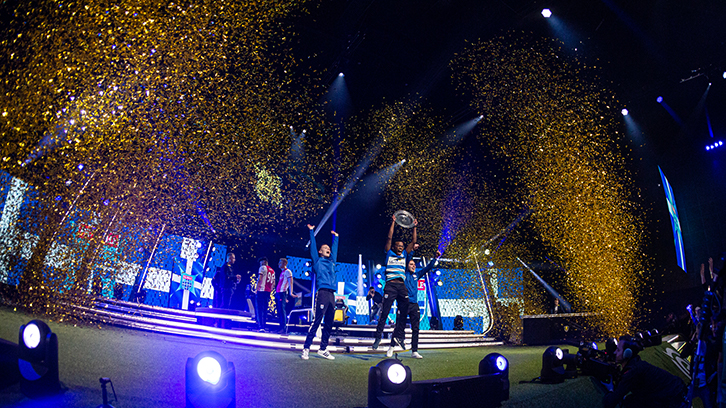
x=553 y=371
x=38 y=360
x=388 y=385
x=486 y=390
x=210 y=381
x=497 y=364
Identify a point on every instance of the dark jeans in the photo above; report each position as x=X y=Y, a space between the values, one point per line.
x=281 y=301
x=413 y=313
x=263 y=300
x=324 y=307
x=394 y=290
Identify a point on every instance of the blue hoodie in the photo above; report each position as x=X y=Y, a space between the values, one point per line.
x=412 y=280
x=324 y=268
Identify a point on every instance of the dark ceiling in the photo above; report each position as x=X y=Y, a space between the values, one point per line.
x=401 y=50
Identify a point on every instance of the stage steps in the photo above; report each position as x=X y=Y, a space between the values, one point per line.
x=344 y=339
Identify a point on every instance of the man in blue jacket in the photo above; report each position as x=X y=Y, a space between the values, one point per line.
x=396 y=259
x=324 y=269
x=411 y=310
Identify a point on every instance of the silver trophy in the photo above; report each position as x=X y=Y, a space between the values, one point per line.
x=404 y=218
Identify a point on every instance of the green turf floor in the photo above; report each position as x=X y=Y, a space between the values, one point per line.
x=147 y=370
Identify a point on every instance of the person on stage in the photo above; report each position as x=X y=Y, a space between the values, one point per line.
x=324 y=269
x=375 y=313
x=222 y=283
x=556 y=308
x=265 y=286
x=411 y=310
x=284 y=288
x=394 y=289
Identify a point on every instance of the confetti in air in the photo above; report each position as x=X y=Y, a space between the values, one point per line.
x=548 y=119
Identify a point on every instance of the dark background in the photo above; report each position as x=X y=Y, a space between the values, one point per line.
x=401 y=50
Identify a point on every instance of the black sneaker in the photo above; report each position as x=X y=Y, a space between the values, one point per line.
x=376 y=343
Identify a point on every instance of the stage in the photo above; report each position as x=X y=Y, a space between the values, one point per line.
x=147 y=370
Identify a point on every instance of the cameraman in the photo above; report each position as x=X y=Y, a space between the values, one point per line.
x=648 y=385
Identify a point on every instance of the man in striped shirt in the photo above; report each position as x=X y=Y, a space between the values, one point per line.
x=396 y=259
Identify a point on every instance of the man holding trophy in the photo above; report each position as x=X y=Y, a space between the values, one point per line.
x=396 y=260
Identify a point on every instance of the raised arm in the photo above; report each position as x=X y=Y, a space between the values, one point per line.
x=430 y=266
x=313 y=245
x=390 y=235
x=334 y=249
x=409 y=248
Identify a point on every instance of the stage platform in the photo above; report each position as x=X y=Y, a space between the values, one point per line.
x=240 y=328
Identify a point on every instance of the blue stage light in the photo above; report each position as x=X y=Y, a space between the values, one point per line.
x=31 y=335
x=209 y=370
x=659 y=99
x=396 y=374
x=724 y=75
x=493 y=363
x=553 y=371
x=341 y=75
x=708 y=148
x=502 y=363
x=38 y=360
x=389 y=384
x=210 y=381
x=624 y=112
x=546 y=13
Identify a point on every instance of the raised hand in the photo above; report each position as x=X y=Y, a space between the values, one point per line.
x=334 y=233
x=311 y=226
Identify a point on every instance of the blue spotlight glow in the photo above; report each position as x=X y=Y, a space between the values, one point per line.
x=659 y=99
x=624 y=112
x=546 y=13
x=209 y=370
x=341 y=75
x=724 y=75
x=396 y=373
x=31 y=336
x=80 y=166
x=501 y=363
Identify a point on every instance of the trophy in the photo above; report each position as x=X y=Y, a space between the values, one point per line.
x=404 y=218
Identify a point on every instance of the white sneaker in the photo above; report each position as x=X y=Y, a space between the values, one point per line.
x=326 y=354
x=416 y=355
x=389 y=352
x=304 y=355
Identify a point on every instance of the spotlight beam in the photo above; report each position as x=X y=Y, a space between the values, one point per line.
x=360 y=170
x=508 y=228
x=549 y=288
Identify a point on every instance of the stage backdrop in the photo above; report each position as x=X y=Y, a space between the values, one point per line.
x=173 y=271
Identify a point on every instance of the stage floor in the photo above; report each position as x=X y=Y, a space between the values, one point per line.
x=147 y=370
